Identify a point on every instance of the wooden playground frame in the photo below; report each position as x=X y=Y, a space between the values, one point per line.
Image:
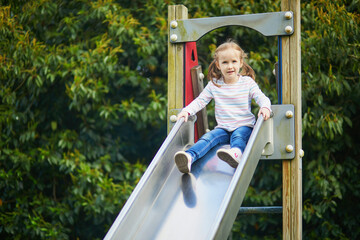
x=291 y=94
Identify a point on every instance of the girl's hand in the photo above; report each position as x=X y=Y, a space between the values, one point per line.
x=183 y=114
x=265 y=112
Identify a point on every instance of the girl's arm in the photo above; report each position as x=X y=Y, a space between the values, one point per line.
x=198 y=103
x=261 y=99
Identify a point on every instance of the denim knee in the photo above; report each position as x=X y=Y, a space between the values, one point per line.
x=240 y=137
x=208 y=141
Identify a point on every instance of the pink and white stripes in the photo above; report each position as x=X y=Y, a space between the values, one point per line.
x=232 y=102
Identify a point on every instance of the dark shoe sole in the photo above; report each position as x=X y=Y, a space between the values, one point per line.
x=181 y=162
x=227 y=158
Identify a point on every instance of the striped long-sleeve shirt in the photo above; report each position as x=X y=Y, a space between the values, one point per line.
x=232 y=102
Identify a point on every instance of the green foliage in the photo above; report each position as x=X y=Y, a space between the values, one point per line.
x=76 y=108
x=330 y=60
x=82 y=112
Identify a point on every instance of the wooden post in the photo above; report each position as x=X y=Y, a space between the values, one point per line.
x=291 y=88
x=175 y=65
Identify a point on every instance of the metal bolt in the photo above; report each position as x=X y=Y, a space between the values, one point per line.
x=173 y=37
x=173 y=24
x=173 y=118
x=289 y=148
x=288 y=15
x=288 y=29
x=301 y=153
x=289 y=114
x=201 y=76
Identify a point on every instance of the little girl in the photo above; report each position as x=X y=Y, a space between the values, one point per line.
x=232 y=91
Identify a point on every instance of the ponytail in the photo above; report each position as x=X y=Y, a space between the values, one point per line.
x=214 y=73
x=247 y=71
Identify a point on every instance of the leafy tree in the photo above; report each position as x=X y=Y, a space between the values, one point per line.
x=82 y=112
x=331 y=89
x=76 y=92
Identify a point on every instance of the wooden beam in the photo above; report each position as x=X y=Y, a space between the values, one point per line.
x=175 y=64
x=292 y=169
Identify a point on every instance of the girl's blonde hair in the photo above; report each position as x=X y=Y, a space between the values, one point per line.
x=215 y=73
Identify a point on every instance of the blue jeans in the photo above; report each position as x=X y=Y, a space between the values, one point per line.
x=238 y=138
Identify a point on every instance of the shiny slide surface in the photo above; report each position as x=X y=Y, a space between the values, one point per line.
x=167 y=204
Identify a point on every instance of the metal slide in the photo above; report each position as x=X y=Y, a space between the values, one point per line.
x=167 y=204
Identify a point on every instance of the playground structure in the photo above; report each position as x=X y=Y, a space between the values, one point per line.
x=204 y=204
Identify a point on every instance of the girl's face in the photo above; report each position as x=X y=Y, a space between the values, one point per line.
x=229 y=63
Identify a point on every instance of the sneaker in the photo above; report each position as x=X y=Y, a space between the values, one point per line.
x=183 y=161
x=231 y=156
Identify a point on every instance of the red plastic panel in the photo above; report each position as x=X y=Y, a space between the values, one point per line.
x=191 y=60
